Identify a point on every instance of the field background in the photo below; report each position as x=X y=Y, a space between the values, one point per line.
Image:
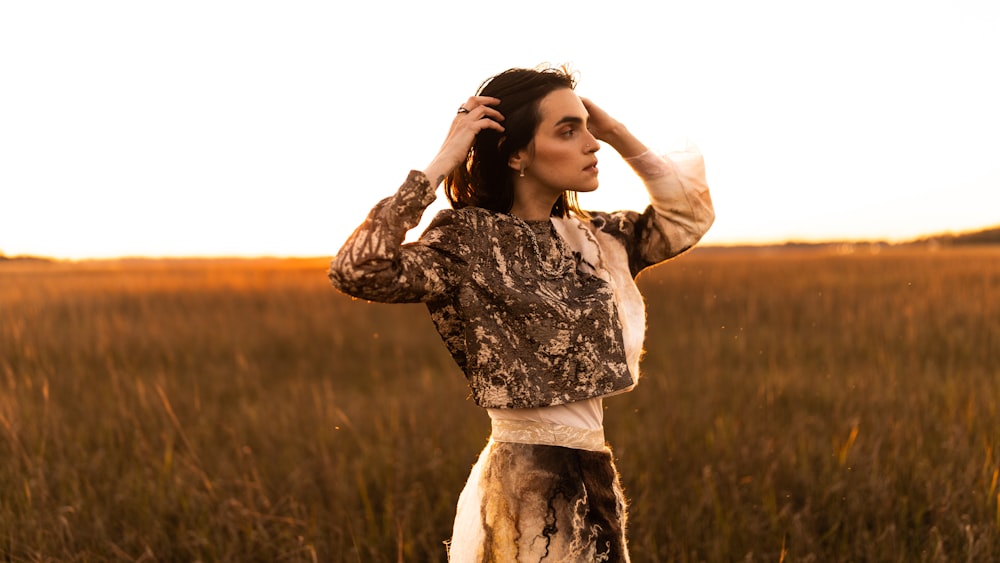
x=797 y=404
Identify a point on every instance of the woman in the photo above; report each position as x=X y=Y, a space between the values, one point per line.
x=535 y=300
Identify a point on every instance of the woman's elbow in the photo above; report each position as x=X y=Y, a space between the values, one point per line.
x=346 y=276
x=707 y=220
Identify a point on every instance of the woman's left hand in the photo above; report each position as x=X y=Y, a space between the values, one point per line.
x=611 y=131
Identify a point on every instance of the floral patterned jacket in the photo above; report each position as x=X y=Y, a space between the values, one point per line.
x=534 y=313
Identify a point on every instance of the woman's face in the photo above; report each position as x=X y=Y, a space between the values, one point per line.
x=561 y=155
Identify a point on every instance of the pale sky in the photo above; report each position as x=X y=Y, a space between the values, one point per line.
x=207 y=128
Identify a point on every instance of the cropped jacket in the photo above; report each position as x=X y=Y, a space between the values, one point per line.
x=535 y=313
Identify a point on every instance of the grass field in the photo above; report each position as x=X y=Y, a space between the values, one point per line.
x=797 y=405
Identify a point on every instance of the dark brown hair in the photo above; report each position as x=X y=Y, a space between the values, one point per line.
x=485 y=179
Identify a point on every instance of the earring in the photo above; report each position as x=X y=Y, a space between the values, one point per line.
x=522 y=172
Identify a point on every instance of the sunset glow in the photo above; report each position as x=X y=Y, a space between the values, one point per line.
x=249 y=129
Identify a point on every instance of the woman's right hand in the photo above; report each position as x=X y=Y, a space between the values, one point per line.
x=473 y=116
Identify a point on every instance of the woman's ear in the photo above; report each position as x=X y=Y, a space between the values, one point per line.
x=519 y=160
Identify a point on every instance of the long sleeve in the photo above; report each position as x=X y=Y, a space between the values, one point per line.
x=374 y=263
x=680 y=210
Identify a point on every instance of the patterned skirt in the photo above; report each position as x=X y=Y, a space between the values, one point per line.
x=540 y=503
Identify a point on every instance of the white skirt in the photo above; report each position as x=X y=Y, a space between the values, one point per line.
x=541 y=502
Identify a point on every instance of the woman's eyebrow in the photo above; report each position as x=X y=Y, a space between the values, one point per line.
x=569 y=119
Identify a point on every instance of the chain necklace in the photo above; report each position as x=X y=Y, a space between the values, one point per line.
x=547 y=269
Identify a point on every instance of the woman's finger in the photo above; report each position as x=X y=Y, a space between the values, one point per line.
x=477 y=114
x=477 y=101
x=474 y=123
x=600 y=123
x=487 y=112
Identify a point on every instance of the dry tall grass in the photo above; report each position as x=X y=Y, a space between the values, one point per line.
x=796 y=405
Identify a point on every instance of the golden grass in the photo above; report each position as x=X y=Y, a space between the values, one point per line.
x=795 y=405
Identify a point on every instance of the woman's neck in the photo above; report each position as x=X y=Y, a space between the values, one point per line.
x=532 y=208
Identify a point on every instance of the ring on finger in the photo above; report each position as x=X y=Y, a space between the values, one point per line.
x=463 y=109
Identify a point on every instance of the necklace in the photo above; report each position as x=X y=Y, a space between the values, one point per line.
x=547 y=269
